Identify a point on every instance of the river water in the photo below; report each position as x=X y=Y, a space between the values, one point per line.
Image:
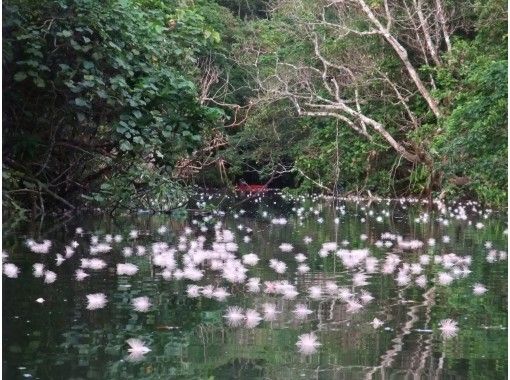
x=48 y=332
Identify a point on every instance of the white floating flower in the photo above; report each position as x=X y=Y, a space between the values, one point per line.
x=49 y=277
x=270 y=312
x=96 y=301
x=38 y=269
x=376 y=323
x=479 y=289
x=80 y=275
x=252 y=318
x=301 y=311
x=448 y=328
x=307 y=344
x=137 y=349
x=234 y=316
x=11 y=270
x=141 y=304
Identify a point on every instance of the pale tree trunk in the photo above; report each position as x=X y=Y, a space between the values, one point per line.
x=403 y=55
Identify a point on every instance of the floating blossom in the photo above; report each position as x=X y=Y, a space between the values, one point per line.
x=303 y=268
x=69 y=252
x=376 y=323
x=94 y=264
x=137 y=349
x=127 y=269
x=11 y=270
x=193 y=291
x=59 y=259
x=286 y=247
x=39 y=300
x=49 y=277
x=250 y=259
x=307 y=239
x=278 y=266
x=252 y=318
x=359 y=279
x=421 y=281
x=96 y=301
x=479 y=289
x=353 y=306
x=162 y=230
x=307 y=344
x=234 y=316
x=253 y=285
x=43 y=247
x=220 y=294
x=100 y=248
x=366 y=297
x=448 y=328
x=141 y=304
x=301 y=311
x=315 y=292
x=300 y=258
x=38 y=269
x=445 y=278
x=167 y=274
x=80 y=275
x=270 y=312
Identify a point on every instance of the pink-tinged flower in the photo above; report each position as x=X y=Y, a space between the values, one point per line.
x=315 y=292
x=49 y=277
x=376 y=323
x=43 y=247
x=38 y=270
x=193 y=291
x=141 y=304
x=479 y=289
x=270 y=287
x=127 y=269
x=448 y=328
x=303 y=268
x=359 y=279
x=286 y=247
x=234 y=316
x=220 y=294
x=252 y=318
x=11 y=270
x=96 y=301
x=366 y=297
x=301 y=311
x=307 y=344
x=250 y=259
x=445 y=278
x=353 y=306
x=80 y=275
x=270 y=312
x=137 y=349
x=421 y=281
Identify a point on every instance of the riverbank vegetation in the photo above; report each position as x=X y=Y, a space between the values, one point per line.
x=127 y=104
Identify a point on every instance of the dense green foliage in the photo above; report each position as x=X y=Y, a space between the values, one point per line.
x=101 y=98
x=103 y=101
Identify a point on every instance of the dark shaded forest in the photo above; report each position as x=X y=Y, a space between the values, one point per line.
x=129 y=104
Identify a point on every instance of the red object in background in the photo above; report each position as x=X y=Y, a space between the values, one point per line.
x=247 y=188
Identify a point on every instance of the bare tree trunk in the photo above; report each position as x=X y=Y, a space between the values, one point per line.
x=403 y=55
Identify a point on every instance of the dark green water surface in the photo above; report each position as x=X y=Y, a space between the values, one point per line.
x=188 y=337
